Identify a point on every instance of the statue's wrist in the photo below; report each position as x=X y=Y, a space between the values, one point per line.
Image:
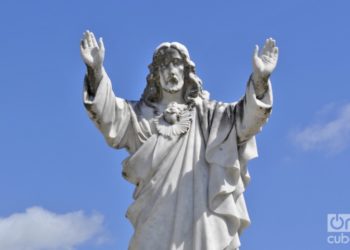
x=260 y=77
x=95 y=73
x=260 y=84
x=94 y=76
x=98 y=68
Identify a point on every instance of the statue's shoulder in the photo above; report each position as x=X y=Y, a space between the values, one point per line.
x=141 y=109
x=207 y=104
x=133 y=104
x=209 y=107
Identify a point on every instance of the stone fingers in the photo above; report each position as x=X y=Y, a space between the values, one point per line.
x=100 y=44
x=93 y=39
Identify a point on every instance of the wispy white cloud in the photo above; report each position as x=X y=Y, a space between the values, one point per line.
x=331 y=135
x=40 y=229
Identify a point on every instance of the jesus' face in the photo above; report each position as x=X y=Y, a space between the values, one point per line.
x=171 y=71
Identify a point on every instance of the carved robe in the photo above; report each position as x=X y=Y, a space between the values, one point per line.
x=188 y=187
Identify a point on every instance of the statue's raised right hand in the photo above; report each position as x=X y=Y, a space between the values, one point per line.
x=93 y=53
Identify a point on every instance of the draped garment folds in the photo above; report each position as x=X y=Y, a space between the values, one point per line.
x=188 y=188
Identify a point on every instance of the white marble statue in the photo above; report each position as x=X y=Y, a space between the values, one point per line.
x=188 y=154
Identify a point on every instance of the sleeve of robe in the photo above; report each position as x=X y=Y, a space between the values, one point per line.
x=230 y=145
x=110 y=114
x=252 y=113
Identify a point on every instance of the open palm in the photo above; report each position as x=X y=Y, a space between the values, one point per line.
x=265 y=62
x=93 y=53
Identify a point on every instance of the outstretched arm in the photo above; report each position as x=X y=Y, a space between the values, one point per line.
x=264 y=64
x=93 y=54
x=254 y=109
x=110 y=114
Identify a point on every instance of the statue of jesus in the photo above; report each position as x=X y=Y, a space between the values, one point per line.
x=188 y=154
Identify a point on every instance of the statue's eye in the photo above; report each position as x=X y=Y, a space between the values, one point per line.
x=176 y=62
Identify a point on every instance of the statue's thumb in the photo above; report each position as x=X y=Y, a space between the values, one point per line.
x=256 y=51
x=100 y=44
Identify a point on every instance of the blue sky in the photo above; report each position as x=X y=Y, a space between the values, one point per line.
x=55 y=166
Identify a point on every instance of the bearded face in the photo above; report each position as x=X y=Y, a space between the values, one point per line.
x=171 y=71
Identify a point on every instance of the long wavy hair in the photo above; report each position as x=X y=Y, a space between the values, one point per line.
x=192 y=83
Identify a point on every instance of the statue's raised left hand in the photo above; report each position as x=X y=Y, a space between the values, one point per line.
x=265 y=62
x=93 y=53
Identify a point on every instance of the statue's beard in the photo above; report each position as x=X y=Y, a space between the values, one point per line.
x=172 y=86
x=172 y=89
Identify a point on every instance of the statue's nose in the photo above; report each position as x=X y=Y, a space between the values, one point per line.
x=171 y=67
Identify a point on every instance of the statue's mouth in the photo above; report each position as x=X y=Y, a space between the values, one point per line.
x=172 y=85
x=173 y=80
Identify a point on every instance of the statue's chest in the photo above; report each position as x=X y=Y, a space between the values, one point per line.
x=171 y=123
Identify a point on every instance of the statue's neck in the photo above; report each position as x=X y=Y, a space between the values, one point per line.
x=171 y=97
